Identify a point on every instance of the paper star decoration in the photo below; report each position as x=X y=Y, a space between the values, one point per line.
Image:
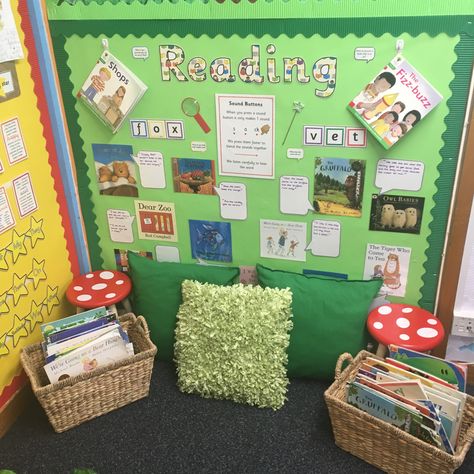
x=3 y=260
x=37 y=272
x=3 y=345
x=35 y=231
x=51 y=299
x=4 y=308
x=18 y=288
x=18 y=330
x=298 y=106
x=17 y=245
x=35 y=316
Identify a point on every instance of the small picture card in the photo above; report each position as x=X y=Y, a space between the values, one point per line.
x=393 y=213
x=111 y=90
x=9 y=86
x=13 y=140
x=394 y=102
x=7 y=221
x=25 y=195
x=194 y=176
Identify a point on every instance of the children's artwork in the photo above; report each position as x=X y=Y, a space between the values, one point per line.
x=460 y=349
x=10 y=46
x=121 y=259
x=210 y=240
x=283 y=240
x=246 y=135
x=156 y=220
x=394 y=101
x=338 y=186
x=9 y=86
x=115 y=169
x=389 y=263
x=111 y=90
x=193 y=176
x=393 y=213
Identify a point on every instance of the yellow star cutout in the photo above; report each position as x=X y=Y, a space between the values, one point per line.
x=18 y=330
x=3 y=260
x=35 y=316
x=3 y=345
x=17 y=245
x=51 y=299
x=18 y=288
x=4 y=308
x=37 y=273
x=35 y=232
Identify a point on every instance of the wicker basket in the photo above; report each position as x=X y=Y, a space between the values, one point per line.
x=382 y=444
x=72 y=401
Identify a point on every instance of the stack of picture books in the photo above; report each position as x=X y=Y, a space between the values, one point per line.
x=83 y=342
x=418 y=393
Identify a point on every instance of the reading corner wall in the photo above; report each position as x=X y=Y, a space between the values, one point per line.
x=303 y=61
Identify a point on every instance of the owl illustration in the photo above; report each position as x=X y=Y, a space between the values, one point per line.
x=399 y=219
x=412 y=217
x=386 y=216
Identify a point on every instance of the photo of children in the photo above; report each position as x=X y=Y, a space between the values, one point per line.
x=283 y=240
x=394 y=102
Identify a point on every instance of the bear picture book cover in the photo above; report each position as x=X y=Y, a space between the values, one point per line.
x=111 y=90
x=115 y=170
x=393 y=213
x=394 y=101
x=338 y=186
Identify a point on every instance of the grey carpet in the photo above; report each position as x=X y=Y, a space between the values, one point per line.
x=170 y=432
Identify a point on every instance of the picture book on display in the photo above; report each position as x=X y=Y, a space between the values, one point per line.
x=111 y=90
x=394 y=102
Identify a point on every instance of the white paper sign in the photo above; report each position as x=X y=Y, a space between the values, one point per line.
x=152 y=173
x=399 y=174
x=294 y=195
x=10 y=46
x=246 y=135
x=364 y=54
x=120 y=225
x=325 y=238
x=24 y=194
x=140 y=52
x=7 y=221
x=283 y=240
x=13 y=140
x=295 y=153
x=233 y=198
x=166 y=253
x=199 y=146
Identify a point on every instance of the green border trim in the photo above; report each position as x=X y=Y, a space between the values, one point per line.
x=451 y=25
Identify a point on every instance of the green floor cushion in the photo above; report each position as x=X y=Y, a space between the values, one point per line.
x=231 y=343
x=329 y=318
x=156 y=293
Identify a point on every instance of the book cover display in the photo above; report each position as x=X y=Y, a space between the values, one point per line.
x=394 y=101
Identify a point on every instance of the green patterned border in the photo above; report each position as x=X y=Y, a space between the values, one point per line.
x=451 y=25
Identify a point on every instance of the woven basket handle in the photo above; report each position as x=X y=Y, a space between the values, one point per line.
x=141 y=321
x=342 y=358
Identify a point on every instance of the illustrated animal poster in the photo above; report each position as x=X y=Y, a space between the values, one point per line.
x=264 y=104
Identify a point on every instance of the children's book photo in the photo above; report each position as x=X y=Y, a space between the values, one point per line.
x=338 y=186
x=194 y=176
x=394 y=102
x=115 y=169
x=393 y=213
x=210 y=240
x=121 y=258
x=111 y=90
x=284 y=240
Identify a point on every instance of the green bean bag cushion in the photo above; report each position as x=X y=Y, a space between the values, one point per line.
x=329 y=318
x=156 y=293
x=231 y=343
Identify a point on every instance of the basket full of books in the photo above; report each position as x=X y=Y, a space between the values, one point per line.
x=396 y=415
x=89 y=364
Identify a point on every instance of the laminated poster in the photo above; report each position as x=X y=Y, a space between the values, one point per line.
x=10 y=46
x=156 y=220
x=211 y=240
x=284 y=240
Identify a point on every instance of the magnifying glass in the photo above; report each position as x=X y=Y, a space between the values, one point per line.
x=190 y=107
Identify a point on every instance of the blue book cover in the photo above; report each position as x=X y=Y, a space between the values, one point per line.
x=75 y=331
x=210 y=240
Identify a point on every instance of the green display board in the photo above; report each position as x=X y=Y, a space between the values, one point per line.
x=281 y=144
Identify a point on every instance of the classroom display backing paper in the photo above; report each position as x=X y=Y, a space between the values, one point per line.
x=239 y=173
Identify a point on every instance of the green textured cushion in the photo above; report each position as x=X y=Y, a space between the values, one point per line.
x=231 y=343
x=329 y=318
x=156 y=293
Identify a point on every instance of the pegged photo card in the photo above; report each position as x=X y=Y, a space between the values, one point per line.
x=111 y=90
x=393 y=103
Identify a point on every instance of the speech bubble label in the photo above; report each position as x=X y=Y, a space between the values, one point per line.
x=295 y=153
x=399 y=174
x=294 y=195
x=120 y=225
x=166 y=253
x=325 y=238
x=364 y=54
x=199 y=146
x=233 y=198
x=140 y=52
x=152 y=172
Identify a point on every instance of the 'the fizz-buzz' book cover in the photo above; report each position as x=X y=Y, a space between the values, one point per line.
x=394 y=102
x=111 y=90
